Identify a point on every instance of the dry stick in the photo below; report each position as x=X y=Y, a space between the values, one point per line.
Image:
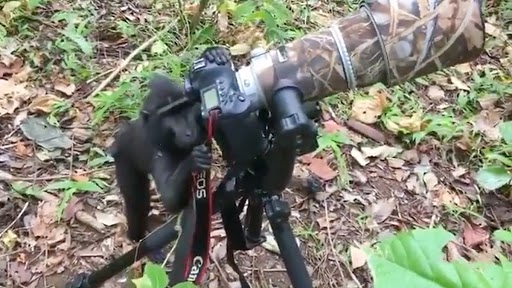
x=10 y=178
x=127 y=60
x=354 y=278
x=17 y=217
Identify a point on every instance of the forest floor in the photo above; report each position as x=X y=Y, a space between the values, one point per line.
x=416 y=165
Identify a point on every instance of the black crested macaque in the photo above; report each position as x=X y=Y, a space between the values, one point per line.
x=156 y=144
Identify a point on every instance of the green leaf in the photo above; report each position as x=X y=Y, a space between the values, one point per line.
x=185 y=285
x=415 y=259
x=492 y=177
x=79 y=40
x=503 y=235
x=142 y=282
x=506 y=131
x=156 y=274
x=243 y=10
x=158 y=47
x=66 y=184
x=87 y=186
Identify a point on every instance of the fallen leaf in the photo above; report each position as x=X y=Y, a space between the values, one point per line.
x=474 y=235
x=459 y=84
x=9 y=239
x=320 y=168
x=459 y=171
x=359 y=157
x=330 y=126
x=109 y=219
x=430 y=180
x=404 y=124
x=222 y=21
x=410 y=156
x=381 y=210
x=367 y=110
x=240 y=49
x=488 y=101
x=64 y=86
x=487 y=122
x=219 y=251
x=395 y=162
x=381 y=152
x=44 y=103
x=19 y=272
x=357 y=257
x=435 y=93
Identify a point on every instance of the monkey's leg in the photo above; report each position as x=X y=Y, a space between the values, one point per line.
x=134 y=187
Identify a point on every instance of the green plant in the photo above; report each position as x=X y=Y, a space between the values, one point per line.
x=495 y=173
x=332 y=141
x=70 y=187
x=154 y=276
x=415 y=259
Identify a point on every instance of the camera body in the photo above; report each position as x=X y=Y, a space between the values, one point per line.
x=237 y=128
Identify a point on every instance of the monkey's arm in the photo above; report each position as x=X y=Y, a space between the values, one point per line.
x=173 y=176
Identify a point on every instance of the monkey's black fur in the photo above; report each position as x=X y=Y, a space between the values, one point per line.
x=166 y=145
x=157 y=144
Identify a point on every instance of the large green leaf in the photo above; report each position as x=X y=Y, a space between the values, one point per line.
x=414 y=259
x=493 y=177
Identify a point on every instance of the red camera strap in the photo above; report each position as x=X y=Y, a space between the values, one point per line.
x=196 y=263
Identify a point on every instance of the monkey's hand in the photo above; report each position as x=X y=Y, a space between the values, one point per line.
x=201 y=158
x=217 y=54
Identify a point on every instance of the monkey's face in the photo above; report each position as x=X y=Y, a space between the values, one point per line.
x=179 y=129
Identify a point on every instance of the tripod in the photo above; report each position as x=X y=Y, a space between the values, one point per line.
x=259 y=184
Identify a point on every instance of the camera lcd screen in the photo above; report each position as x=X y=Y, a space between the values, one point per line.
x=210 y=98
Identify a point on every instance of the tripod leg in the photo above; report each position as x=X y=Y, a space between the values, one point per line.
x=278 y=212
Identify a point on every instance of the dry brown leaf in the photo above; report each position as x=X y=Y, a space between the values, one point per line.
x=407 y=124
x=64 y=86
x=459 y=171
x=240 y=49
x=357 y=257
x=222 y=21
x=381 y=210
x=367 y=110
x=219 y=251
x=44 y=103
x=381 y=152
x=435 y=93
x=326 y=220
x=359 y=157
x=12 y=95
x=410 y=156
x=430 y=180
x=330 y=126
x=474 y=235
x=320 y=168
x=395 y=162
x=488 y=101
x=486 y=122
x=459 y=84
x=108 y=219
x=463 y=68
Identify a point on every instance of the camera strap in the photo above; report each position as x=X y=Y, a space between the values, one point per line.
x=197 y=260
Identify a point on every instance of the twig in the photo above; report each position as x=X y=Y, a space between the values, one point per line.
x=329 y=236
x=127 y=60
x=354 y=278
x=53 y=177
x=17 y=218
x=223 y=278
